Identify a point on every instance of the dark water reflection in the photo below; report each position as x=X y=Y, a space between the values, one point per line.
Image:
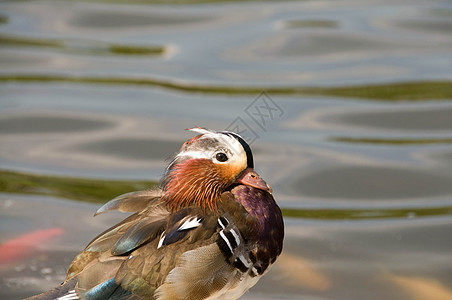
x=372 y=183
x=134 y=148
x=111 y=20
x=103 y=91
x=421 y=119
x=37 y=124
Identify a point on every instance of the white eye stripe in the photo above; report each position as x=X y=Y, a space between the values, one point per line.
x=196 y=154
x=206 y=155
x=221 y=143
x=233 y=145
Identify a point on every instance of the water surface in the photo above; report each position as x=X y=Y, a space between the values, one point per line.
x=354 y=133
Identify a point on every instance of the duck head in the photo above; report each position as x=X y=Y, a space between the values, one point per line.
x=208 y=165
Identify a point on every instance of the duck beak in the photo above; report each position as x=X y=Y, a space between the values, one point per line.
x=251 y=178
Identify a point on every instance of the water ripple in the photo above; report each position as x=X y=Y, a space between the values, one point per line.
x=401 y=91
x=81 y=46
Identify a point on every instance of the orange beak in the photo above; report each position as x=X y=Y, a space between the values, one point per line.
x=251 y=178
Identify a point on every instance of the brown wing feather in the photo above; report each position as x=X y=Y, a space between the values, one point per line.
x=188 y=281
x=144 y=230
x=186 y=277
x=149 y=265
x=130 y=252
x=105 y=242
x=131 y=202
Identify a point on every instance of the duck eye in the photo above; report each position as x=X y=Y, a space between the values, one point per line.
x=221 y=157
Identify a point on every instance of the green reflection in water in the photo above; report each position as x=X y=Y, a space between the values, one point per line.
x=100 y=191
x=28 y=42
x=81 y=46
x=442 y=12
x=83 y=189
x=3 y=19
x=135 y=50
x=310 y=23
x=401 y=142
x=354 y=214
x=403 y=91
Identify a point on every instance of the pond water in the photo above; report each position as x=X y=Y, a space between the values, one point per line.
x=347 y=105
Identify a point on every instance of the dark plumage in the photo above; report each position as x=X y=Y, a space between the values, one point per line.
x=209 y=232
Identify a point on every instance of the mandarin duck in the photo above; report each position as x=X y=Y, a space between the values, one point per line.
x=210 y=231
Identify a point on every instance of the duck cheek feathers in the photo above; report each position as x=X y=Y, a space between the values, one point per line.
x=229 y=172
x=196 y=181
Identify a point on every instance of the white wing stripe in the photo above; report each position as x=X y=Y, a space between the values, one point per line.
x=244 y=261
x=162 y=238
x=221 y=223
x=71 y=295
x=236 y=237
x=226 y=240
x=192 y=222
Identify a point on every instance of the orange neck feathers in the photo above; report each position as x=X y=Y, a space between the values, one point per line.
x=194 y=182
